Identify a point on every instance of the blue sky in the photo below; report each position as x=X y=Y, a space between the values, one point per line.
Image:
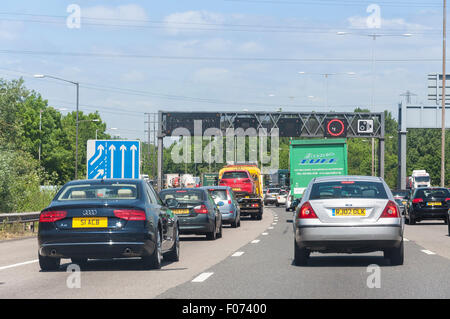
x=132 y=57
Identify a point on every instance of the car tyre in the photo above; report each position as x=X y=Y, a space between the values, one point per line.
x=212 y=235
x=301 y=255
x=49 y=263
x=396 y=255
x=219 y=234
x=154 y=260
x=235 y=224
x=174 y=253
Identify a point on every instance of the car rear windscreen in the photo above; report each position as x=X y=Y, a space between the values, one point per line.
x=274 y=190
x=235 y=175
x=432 y=193
x=348 y=189
x=184 y=195
x=219 y=194
x=117 y=191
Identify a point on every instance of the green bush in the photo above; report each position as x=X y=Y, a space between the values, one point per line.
x=20 y=178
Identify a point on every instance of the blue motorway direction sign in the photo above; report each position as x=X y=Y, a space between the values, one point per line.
x=113 y=159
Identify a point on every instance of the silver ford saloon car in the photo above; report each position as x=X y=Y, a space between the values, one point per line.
x=348 y=214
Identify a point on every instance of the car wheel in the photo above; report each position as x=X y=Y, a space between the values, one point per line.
x=212 y=235
x=154 y=260
x=219 y=234
x=174 y=253
x=234 y=224
x=239 y=222
x=301 y=255
x=411 y=220
x=395 y=255
x=49 y=263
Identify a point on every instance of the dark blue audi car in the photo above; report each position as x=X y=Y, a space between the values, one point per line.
x=108 y=218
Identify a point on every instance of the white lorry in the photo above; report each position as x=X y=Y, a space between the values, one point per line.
x=188 y=180
x=419 y=178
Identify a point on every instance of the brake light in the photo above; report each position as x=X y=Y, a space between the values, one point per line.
x=347 y=182
x=417 y=200
x=306 y=211
x=447 y=199
x=130 y=214
x=52 y=216
x=201 y=209
x=391 y=210
x=255 y=205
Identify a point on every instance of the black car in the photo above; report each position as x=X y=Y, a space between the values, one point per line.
x=428 y=203
x=196 y=210
x=108 y=218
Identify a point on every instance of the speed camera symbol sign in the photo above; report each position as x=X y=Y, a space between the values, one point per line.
x=365 y=126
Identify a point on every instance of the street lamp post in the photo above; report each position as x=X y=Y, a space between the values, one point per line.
x=41 y=76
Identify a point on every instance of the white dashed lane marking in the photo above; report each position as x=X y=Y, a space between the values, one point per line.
x=19 y=264
x=265 y=234
x=238 y=254
x=428 y=252
x=255 y=241
x=202 y=277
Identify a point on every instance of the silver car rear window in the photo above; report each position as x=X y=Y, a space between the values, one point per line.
x=220 y=194
x=348 y=189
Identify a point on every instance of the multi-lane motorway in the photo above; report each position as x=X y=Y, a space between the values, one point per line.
x=251 y=262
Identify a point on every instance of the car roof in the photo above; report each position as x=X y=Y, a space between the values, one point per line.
x=215 y=187
x=106 y=181
x=347 y=178
x=184 y=189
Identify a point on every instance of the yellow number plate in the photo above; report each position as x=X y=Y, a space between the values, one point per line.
x=349 y=212
x=236 y=189
x=91 y=222
x=181 y=211
x=434 y=204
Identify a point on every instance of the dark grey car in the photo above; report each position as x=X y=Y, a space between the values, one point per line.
x=196 y=211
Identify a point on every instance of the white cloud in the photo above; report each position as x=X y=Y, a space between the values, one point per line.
x=359 y=22
x=9 y=30
x=133 y=76
x=208 y=75
x=115 y=15
x=192 y=21
x=251 y=47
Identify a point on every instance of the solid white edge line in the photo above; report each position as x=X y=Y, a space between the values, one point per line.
x=20 y=264
x=202 y=277
x=428 y=252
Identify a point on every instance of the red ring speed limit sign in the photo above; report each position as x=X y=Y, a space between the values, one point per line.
x=335 y=127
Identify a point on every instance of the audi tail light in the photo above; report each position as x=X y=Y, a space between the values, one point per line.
x=52 y=216
x=130 y=214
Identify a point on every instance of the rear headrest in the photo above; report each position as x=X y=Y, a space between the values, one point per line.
x=78 y=195
x=125 y=193
x=368 y=193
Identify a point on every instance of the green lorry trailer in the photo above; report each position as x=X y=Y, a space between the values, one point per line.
x=315 y=158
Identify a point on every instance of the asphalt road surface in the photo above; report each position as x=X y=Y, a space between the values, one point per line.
x=251 y=262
